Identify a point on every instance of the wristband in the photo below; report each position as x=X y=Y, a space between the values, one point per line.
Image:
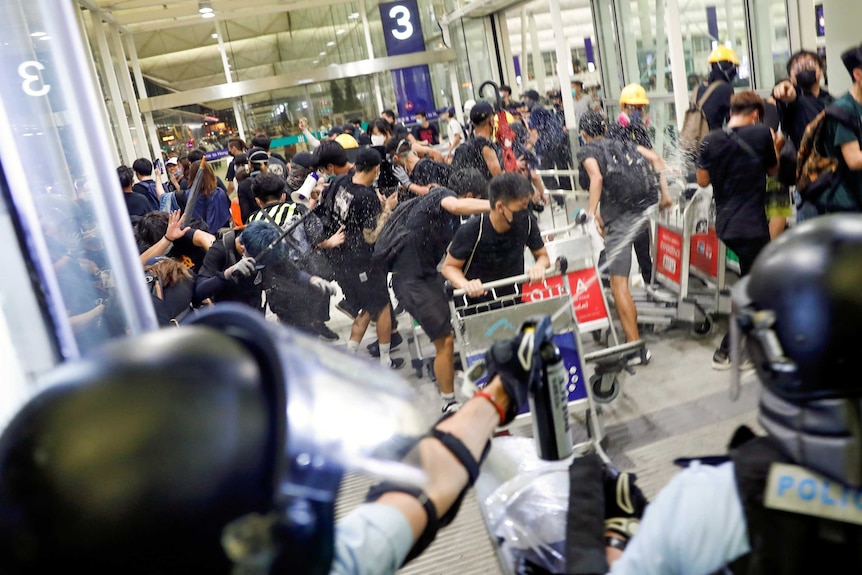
x=165 y=237
x=497 y=406
x=616 y=542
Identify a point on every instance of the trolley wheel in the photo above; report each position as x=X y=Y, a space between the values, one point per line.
x=604 y=396
x=704 y=327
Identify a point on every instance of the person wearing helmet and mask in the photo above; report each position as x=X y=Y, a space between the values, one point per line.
x=789 y=501
x=219 y=448
x=632 y=123
x=723 y=69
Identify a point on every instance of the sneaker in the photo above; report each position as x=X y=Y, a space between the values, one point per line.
x=396 y=363
x=720 y=360
x=640 y=357
x=451 y=407
x=324 y=333
x=374 y=347
x=344 y=307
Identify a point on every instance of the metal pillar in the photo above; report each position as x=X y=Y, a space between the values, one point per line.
x=677 y=61
x=564 y=65
x=91 y=61
x=505 y=48
x=452 y=68
x=140 y=140
x=538 y=61
x=525 y=73
x=237 y=112
x=120 y=122
x=152 y=133
x=370 y=46
x=628 y=44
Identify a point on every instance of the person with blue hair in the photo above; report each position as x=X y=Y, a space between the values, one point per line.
x=288 y=288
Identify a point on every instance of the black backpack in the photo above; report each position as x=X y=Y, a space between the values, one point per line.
x=815 y=170
x=627 y=169
x=394 y=234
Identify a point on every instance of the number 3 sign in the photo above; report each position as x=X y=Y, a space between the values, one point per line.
x=401 y=27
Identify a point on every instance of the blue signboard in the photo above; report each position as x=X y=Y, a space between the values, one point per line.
x=402 y=32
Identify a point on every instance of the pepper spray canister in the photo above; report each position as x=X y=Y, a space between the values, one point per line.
x=548 y=400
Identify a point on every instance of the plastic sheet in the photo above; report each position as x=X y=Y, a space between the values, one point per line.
x=525 y=511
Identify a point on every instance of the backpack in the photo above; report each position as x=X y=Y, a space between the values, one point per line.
x=815 y=171
x=694 y=124
x=392 y=237
x=627 y=169
x=168 y=202
x=469 y=155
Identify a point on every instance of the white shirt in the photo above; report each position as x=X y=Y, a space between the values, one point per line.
x=453 y=128
x=694 y=526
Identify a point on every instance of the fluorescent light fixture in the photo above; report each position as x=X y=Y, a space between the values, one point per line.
x=330 y=43
x=37 y=34
x=208 y=15
x=215 y=36
x=340 y=31
x=322 y=54
x=44 y=37
x=354 y=16
x=205 y=7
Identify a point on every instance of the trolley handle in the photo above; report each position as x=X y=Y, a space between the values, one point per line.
x=561 y=265
x=580 y=219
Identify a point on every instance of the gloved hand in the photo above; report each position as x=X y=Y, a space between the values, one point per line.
x=402 y=176
x=325 y=287
x=502 y=359
x=242 y=269
x=624 y=503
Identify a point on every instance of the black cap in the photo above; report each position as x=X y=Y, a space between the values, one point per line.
x=532 y=95
x=481 y=112
x=258 y=155
x=304 y=159
x=348 y=129
x=592 y=123
x=367 y=158
x=336 y=130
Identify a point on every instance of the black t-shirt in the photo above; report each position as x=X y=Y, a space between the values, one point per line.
x=429 y=135
x=739 y=180
x=136 y=204
x=356 y=207
x=469 y=155
x=432 y=230
x=175 y=300
x=495 y=256
x=245 y=197
x=796 y=115
x=231 y=172
x=627 y=179
x=717 y=107
x=186 y=252
x=430 y=172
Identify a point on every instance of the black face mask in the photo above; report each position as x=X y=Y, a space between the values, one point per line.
x=806 y=79
x=519 y=218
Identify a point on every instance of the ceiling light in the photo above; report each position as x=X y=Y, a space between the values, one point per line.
x=208 y=15
x=340 y=31
x=37 y=34
x=45 y=38
x=322 y=54
x=315 y=61
x=215 y=36
x=354 y=16
x=330 y=43
x=205 y=7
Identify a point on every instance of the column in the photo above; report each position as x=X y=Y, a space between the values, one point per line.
x=363 y=11
x=152 y=133
x=91 y=60
x=538 y=61
x=677 y=61
x=564 y=64
x=628 y=43
x=237 y=111
x=505 y=49
x=140 y=139
x=609 y=55
x=452 y=69
x=114 y=99
x=842 y=32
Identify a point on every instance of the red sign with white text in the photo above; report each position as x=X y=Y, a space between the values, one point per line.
x=704 y=253
x=668 y=261
x=586 y=293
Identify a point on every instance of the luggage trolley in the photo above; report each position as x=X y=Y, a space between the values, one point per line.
x=478 y=325
x=590 y=305
x=685 y=247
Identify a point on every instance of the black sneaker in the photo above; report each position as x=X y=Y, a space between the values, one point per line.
x=325 y=333
x=374 y=347
x=720 y=360
x=347 y=309
x=396 y=362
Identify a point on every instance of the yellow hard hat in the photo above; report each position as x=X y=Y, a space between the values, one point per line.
x=723 y=54
x=633 y=95
x=347 y=141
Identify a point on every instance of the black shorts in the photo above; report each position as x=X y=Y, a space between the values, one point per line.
x=619 y=240
x=367 y=290
x=426 y=301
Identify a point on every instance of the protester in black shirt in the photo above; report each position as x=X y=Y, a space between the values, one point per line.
x=425 y=131
x=160 y=233
x=723 y=64
x=800 y=98
x=736 y=162
x=621 y=177
x=433 y=219
x=228 y=274
x=415 y=176
x=136 y=204
x=351 y=202
x=491 y=246
x=479 y=151
x=236 y=147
